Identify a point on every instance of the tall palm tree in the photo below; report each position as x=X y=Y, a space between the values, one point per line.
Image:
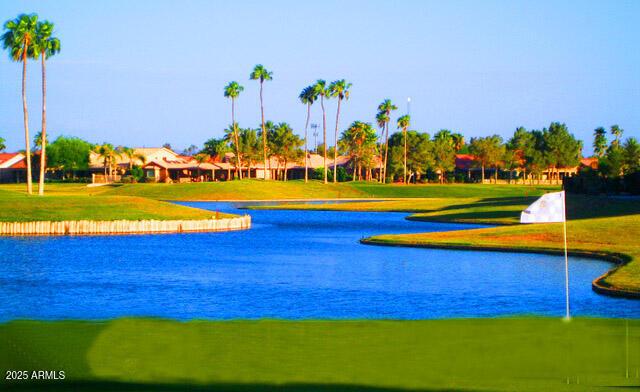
x=19 y=38
x=261 y=73
x=338 y=89
x=599 y=142
x=308 y=96
x=387 y=107
x=403 y=123
x=382 y=119
x=45 y=47
x=616 y=131
x=320 y=89
x=233 y=90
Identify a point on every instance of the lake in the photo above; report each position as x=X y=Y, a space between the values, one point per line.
x=290 y=264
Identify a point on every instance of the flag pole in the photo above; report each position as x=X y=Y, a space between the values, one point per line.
x=566 y=256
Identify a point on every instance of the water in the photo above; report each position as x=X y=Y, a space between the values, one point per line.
x=291 y=264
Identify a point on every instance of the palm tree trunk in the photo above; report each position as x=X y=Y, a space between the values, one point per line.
x=25 y=113
x=324 y=136
x=482 y=173
x=386 y=152
x=43 y=149
x=354 y=169
x=335 y=150
x=405 y=155
x=235 y=135
x=306 y=152
x=264 y=135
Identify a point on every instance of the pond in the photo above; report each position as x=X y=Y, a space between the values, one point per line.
x=290 y=264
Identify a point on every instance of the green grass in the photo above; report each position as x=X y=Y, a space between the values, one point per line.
x=58 y=206
x=472 y=354
x=272 y=190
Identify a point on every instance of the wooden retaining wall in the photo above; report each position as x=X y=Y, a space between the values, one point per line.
x=123 y=226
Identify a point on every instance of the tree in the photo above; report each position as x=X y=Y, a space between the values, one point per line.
x=38 y=139
x=403 y=123
x=386 y=107
x=261 y=74
x=69 y=154
x=488 y=151
x=359 y=142
x=215 y=147
x=109 y=156
x=444 y=153
x=561 y=148
x=338 y=89
x=131 y=155
x=19 y=39
x=308 y=96
x=522 y=143
x=201 y=158
x=617 y=132
x=3 y=145
x=250 y=147
x=190 y=151
x=458 y=141
x=320 y=89
x=419 y=154
x=599 y=142
x=45 y=47
x=382 y=119
x=285 y=146
x=233 y=90
x=631 y=154
x=167 y=146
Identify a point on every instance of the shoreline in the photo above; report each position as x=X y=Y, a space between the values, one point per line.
x=122 y=227
x=618 y=259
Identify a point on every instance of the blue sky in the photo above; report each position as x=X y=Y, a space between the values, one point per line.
x=142 y=73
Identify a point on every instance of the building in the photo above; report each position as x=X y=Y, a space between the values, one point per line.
x=13 y=167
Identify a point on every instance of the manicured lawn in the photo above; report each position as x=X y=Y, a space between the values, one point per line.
x=18 y=207
x=532 y=354
x=270 y=190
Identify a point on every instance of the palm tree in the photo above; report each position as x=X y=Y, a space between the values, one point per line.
x=616 y=131
x=233 y=90
x=260 y=73
x=382 y=119
x=387 y=107
x=45 y=47
x=338 y=89
x=599 y=142
x=458 y=141
x=308 y=96
x=109 y=155
x=3 y=146
x=403 y=123
x=201 y=158
x=320 y=88
x=131 y=155
x=19 y=38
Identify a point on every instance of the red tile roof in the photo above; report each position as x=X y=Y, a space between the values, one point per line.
x=12 y=156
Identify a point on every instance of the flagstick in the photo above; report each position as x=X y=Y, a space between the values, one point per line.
x=566 y=257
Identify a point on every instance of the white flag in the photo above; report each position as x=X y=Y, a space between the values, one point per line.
x=549 y=208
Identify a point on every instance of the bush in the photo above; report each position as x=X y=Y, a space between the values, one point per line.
x=137 y=173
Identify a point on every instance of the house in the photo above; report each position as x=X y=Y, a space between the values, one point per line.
x=13 y=167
